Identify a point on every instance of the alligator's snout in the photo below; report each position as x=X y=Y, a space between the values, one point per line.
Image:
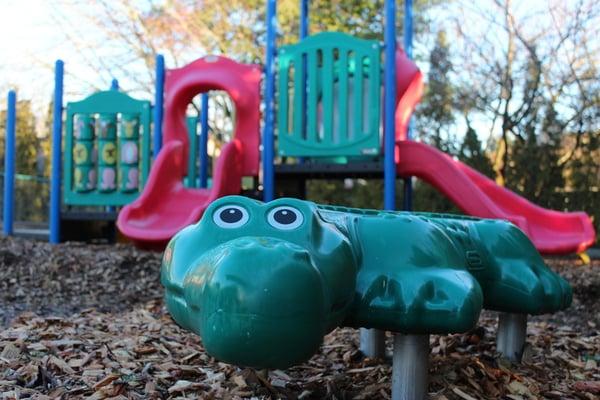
x=263 y=304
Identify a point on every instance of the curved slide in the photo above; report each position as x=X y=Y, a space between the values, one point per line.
x=166 y=206
x=552 y=232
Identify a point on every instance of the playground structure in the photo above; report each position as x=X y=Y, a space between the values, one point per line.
x=329 y=110
x=166 y=206
x=329 y=120
x=105 y=160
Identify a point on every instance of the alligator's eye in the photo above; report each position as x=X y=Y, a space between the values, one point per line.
x=285 y=217
x=230 y=216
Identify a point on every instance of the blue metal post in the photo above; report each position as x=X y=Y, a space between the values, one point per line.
x=268 y=133
x=303 y=19
x=408 y=34
x=9 y=164
x=204 y=141
x=158 y=104
x=114 y=85
x=56 y=153
x=389 y=172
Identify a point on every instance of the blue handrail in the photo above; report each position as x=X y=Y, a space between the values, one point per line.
x=204 y=141
x=408 y=34
x=389 y=164
x=268 y=134
x=56 y=153
x=9 y=164
x=158 y=104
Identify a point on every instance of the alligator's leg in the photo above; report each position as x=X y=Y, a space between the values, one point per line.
x=372 y=342
x=411 y=361
x=510 y=340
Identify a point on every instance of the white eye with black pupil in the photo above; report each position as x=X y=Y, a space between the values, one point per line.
x=230 y=216
x=285 y=218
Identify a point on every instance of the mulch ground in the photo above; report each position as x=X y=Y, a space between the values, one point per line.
x=85 y=321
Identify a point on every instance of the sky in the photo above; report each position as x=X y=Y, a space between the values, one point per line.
x=31 y=41
x=27 y=34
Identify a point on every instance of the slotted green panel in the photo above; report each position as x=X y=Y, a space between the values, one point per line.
x=299 y=95
x=357 y=111
x=312 y=92
x=340 y=76
x=107 y=149
x=327 y=99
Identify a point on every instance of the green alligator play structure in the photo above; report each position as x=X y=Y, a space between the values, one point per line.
x=263 y=283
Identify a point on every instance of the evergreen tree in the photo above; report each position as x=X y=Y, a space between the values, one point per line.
x=471 y=153
x=31 y=194
x=435 y=116
x=533 y=168
x=434 y=122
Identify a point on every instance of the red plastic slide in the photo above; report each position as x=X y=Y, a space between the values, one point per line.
x=166 y=206
x=552 y=232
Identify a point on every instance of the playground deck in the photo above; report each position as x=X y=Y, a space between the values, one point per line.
x=101 y=330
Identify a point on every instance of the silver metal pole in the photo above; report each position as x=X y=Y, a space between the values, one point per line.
x=372 y=343
x=512 y=331
x=410 y=368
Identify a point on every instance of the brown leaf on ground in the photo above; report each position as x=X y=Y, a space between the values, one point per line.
x=83 y=321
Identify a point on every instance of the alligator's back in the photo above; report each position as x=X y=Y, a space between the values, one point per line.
x=510 y=271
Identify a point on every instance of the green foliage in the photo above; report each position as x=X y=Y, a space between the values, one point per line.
x=27 y=141
x=583 y=172
x=31 y=194
x=471 y=153
x=534 y=169
x=434 y=119
x=436 y=114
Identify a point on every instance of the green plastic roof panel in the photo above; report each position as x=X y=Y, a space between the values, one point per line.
x=107 y=149
x=329 y=97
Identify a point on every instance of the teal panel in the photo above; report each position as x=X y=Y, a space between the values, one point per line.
x=191 y=180
x=128 y=150
x=107 y=149
x=341 y=78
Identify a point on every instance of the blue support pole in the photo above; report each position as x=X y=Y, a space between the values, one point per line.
x=114 y=85
x=408 y=28
x=303 y=19
x=204 y=141
x=408 y=35
x=268 y=132
x=389 y=172
x=56 y=153
x=9 y=164
x=304 y=23
x=158 y=104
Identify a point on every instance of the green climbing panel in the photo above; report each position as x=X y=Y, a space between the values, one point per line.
x=107 y=149
x=191 y=180
x=329 y=97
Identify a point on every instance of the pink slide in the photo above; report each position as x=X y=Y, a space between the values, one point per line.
x=166 y=206
x=552 y=232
